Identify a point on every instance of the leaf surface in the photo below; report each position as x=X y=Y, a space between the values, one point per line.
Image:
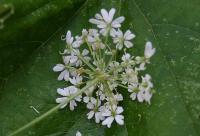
x=32 y=23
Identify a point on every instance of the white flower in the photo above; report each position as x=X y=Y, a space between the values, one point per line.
x=92 y=35
x=74 y=60
x=78 y=133
x=93 y=105
x=101 y=95
x=68 y=92
x=131 y=88
x=145 y=87
x=94 y=40
x=141 y=67
x=90 y=62
x=130 y=76
x=115 y=67
x=144 y=95
x=64 y=72
x=121 y=39
x=76 y=80
x=148 y=53
x=84 y=54
x=105 y=21
x=69 y=39
x=147 y=79
x=77 y=43
x=70 y=58
x=149 y=50
x=126 y=58
x=113 y=115
x=118 y=97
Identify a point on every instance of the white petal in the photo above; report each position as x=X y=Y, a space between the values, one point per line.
x=66 y=59
x=149 y=50
x=62 y=75
x=108 y=121
x=63 y=92
x=78 y=133
x=111 y=14
x=95 y=21
x=90 y=105
x=119 y=33
x=140 y=96
x=93 y=100
x=142 y=66
x=118 y=20
x=85 y=52
x=103 y=25
x=128 y=35
x=62 y=101
x=113 y=32
x=126 y=57
x=119 y=119
x=119 y=46
x=106 y=113
x=148 y=96
x=128 y=44
x=90 y=114
x=86 y=99
x=76 y=44
x=72 y=104
x=105 y=15
x=73 y=59
x=103 y=32
x=116 y=25
x=79 y=79
x=119 y=97
x=66 y=76
x=90 y=39
x=133 y=96
x=98 y=16
x=78 y=98
x=72 y=89
x=58 y=67
x=98 y=117
x=119 y=110
x=72 y=80
x=68 y=36
x=147 y=77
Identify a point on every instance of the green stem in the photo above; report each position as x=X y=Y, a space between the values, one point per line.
x=54 y=109
x=85 y=61
x=110 y=93
x=111 y=59
x=91 y=51
x=123 y=86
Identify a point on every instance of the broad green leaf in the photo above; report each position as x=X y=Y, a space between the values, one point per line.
x=173 y=27
x=29 y=27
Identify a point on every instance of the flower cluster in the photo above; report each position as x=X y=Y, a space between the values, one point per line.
x=91 y=56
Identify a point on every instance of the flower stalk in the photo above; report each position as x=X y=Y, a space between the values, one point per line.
x=53 y=110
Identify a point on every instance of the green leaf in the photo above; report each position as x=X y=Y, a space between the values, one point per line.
x=172 y=26
x=29 y=27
